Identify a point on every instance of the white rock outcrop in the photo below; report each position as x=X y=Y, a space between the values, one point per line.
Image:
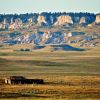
x=41 y=19
x=4 y=24
x=64 y=19
x=82 y=20
x=30 y=20
x=16 y=25
x=97 y=19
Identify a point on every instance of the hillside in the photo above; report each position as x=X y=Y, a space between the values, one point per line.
x=63 y=49
x=74 y=29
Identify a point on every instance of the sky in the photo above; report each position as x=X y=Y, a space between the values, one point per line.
x=38 y=6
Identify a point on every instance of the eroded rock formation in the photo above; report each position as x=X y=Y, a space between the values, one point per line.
x=97 y=19
x=41 y=19
x=82 y=20
x=64 y=19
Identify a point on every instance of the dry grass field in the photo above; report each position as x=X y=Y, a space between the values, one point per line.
x=67 y=75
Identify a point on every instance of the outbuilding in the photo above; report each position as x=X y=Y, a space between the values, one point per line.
x=22 y=80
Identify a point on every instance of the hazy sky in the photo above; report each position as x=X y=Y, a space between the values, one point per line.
x=28 y=6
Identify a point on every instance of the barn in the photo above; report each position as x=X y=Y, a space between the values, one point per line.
x=22 y=80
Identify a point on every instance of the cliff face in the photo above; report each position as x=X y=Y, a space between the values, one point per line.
x=41 y=19
x=82 y=20
x=47 y=19
x=45 y=38
x=61 y=20
x=97 y=19
x=28 y=30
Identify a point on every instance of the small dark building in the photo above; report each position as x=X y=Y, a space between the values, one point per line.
x=22 y=80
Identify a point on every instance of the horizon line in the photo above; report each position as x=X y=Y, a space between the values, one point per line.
x=48 y=12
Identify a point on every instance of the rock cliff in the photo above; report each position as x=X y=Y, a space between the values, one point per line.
x=61 y=20
x=41 y=19
x=82 y=20
x=97 y=19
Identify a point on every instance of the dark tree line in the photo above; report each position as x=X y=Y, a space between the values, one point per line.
x=50 y=17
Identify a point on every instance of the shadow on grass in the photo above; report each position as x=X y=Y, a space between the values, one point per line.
x=32 y=62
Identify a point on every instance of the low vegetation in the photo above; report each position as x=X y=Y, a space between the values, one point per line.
x=67 y=75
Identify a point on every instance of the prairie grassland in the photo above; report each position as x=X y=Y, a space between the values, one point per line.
x=67 y=75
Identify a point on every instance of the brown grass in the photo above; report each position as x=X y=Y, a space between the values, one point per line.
x=67 y=75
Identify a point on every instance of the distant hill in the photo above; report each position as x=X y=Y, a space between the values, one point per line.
x=60 y=47
x=50 y=19
x=73 y=29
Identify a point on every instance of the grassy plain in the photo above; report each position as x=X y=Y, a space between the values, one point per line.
x=67 y=75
